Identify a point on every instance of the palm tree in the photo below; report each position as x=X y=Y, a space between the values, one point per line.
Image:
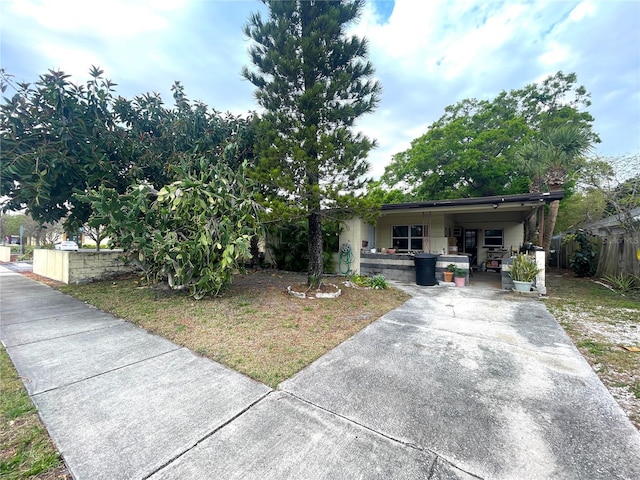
x=551 y=160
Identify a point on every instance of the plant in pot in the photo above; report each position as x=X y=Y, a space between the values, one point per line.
x=459 y=276
x=523 y=272
x=447 y=275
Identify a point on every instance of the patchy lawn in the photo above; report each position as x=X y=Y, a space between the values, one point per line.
x=601 y=323
x=255 y=328
x=25 y=448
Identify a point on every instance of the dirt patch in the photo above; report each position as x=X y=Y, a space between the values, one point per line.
x=41 y=279
x=600 y=323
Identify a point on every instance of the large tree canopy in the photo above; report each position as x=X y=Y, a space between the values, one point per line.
x=57 y=138
x=314 y=81
x=472 y=149
x=60 y=139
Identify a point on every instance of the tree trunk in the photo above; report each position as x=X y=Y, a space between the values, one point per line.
x=550 y=221
x=255 y=252
x=532 y=224
x=314 y=277
x=541 y=226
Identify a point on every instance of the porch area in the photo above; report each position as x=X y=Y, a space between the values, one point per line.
x=400 y=267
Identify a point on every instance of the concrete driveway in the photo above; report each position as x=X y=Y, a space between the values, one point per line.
x=486 y=380
x=454 y=384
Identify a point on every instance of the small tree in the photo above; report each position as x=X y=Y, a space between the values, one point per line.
x=618 y=181
x=314 y=81
x=97 y=234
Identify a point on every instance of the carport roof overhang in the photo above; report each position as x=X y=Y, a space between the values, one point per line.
x=515 y=208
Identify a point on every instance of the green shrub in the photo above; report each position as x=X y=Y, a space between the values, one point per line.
x=360 y=280
x=377 y=282
x=291 y=250
x=28 y=253
x=583 y=261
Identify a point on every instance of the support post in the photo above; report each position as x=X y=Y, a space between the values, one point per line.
x=541 y=285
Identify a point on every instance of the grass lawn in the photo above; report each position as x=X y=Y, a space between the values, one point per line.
x=255 y=328
x=601 y=323
x=25 y=448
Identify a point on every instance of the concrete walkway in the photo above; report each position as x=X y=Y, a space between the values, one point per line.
x=455 y=384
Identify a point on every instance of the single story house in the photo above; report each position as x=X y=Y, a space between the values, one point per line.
x=477 y=233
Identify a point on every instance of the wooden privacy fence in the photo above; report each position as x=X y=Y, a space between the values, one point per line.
x=620 y=254
x=562 y=250
x=615 y=253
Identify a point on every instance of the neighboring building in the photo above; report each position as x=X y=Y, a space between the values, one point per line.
x=611 y=225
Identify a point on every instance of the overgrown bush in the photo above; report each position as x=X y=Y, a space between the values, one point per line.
x=194 y=233
x=583 y=261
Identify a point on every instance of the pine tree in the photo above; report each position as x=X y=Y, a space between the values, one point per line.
x=314 y=81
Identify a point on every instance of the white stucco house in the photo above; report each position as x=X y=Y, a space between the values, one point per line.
x=479 y=232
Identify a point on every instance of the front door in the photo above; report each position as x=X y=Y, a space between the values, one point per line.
x=471 y=246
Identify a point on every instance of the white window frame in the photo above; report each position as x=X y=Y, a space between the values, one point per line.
x=493 y=237
x=410 y=238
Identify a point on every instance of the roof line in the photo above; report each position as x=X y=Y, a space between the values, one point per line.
x=546 y=197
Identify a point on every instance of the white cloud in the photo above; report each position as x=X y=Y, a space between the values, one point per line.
x=116 y=18
x=582 y=11
x=555 y=55
x=433 y=54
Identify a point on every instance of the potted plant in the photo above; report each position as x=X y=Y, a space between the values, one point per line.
x=459 y=276
x=448 y=274
x=523 y=272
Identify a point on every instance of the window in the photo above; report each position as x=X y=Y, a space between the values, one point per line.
x=494 y=238
x=408 y=237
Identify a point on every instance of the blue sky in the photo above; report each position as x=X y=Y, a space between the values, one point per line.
x=427 y=54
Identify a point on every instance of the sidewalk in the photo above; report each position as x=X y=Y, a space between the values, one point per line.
x=454 y=384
